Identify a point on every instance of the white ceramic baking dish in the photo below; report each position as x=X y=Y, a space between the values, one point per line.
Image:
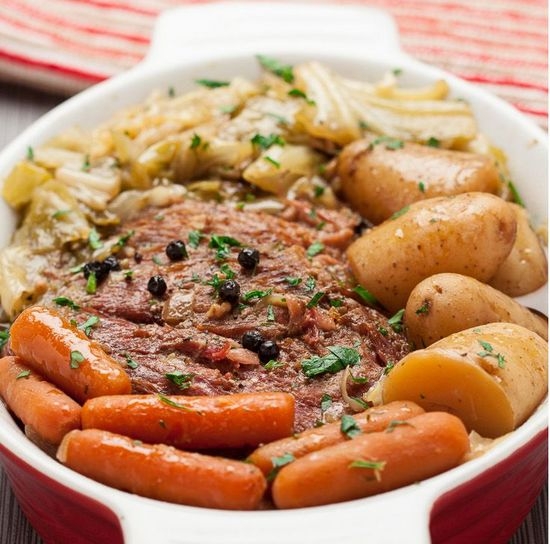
x=483 y=500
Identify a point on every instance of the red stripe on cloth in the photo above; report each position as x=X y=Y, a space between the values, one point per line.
x=79 y=46
x=69 y=71
x=531 y=111
x=444 y=54
x=503 y=81
x=64 y=23
x=122 y=7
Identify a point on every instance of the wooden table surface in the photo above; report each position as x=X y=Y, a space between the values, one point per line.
x=19 y=107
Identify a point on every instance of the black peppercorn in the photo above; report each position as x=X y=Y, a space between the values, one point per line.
x=230 y=291
x=156 y=286
x=176 y=250
x=268 y=351
x=99 y=269
x=251 y=340
x=249 y=258
x=112 y=263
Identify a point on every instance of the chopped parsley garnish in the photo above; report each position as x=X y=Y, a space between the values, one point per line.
x=400 y=212
x=293 y=281
x=318 y=191
x=349 y=427
x=256 y=294
x=265 y=142
x=389 y=142
x=272 y=364
x=89 y=324
x=215 y=282
x=58 y=214
x=4 y=337
x=396 y=423
x=76 y=359
x=166 y=400
x=365 y=295
x=397 y=71
x=424 y=309
x=278 y=463
x=515 y=195
x=23 y=374
x=171 y=92
x=94 y=240
x=396 y=320
x=382 y=330
x=181 y=379
x=222 y=244
x=123 y=240
x=195 y=237
x=376 y=466
x=388 y=367
x=211 y=83
x=315 y=249
x=284 y=71
x=272 y=161
x=488 y=351
x=195 y=141
x=128 y=275
x=157 y=260
x=336 y=302
x=315 y=299
x=338 y=358
x=270 y=313
x=433 y=142
x=357 y=379
x=326 y=402
x=300 y=94
x=86 y=164
x=310 y=283
x=65 y=301
x=363 y=125
x=30 y=153
x=227 y=271
x=130 y=362
x=421 y=187
x=91 y=284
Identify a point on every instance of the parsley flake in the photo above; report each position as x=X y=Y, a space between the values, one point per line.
x=265 y=142
x=94 y=239
x=315 y=249
x=337 y=358
x=181 y=379
x=278 y=463
x=89 y=324
x=65 y=301
x=211 y=83
x=76 y=359
x=396 y=320
x=365 y=295
x=272 y=161
x=284 y=71
x=349 y=427
x=23 y=374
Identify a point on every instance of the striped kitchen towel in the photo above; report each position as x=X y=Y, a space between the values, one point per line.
x=67 y=45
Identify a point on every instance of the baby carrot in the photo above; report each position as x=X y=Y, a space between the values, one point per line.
x=163 y=472
x=224 y=421
x=37 y=403
x=65 y=355
x=373 y=419
x=404 y=453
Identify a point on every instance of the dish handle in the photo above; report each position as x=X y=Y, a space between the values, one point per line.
x=389 y=518
x=226 y=28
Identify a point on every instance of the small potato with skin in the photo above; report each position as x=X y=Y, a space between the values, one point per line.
x=526 y=267
x=379 y=180
x=447 y=303
x=470 y=234
x=492 y=377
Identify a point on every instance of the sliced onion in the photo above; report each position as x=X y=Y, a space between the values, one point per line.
x=354 y=404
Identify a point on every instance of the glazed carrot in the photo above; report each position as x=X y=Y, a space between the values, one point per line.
x=373 y=419
x=65 y=355
x=225 y=421
x=163 y=472
x=37 y=403
x=404 y=453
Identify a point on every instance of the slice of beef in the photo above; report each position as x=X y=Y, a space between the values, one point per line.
x=299 y=296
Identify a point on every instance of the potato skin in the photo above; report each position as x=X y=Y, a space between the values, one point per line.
x=469 y=234
x=526 y=267
x=492 y=377
x=447 y=303
x=378 y=181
